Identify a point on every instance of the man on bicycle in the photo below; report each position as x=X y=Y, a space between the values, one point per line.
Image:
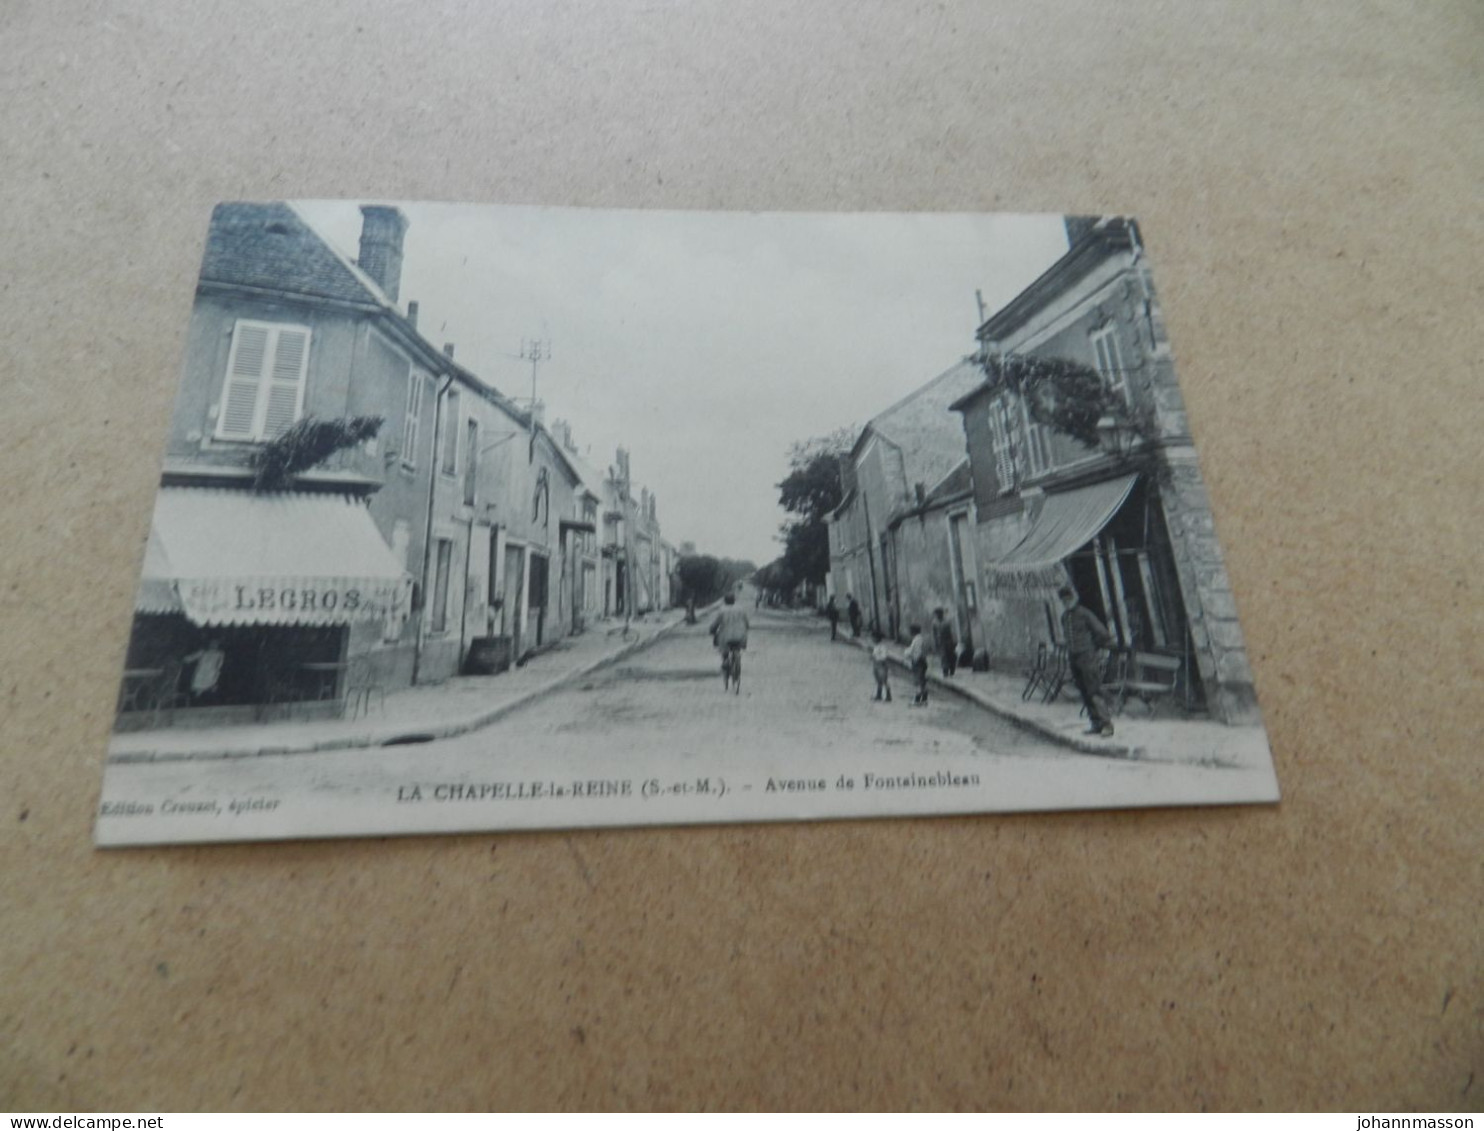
x=729 y=633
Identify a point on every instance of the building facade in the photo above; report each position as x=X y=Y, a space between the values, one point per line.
x=898 y=540
x=1126 y=523
x=296 y=587
x=461 y=518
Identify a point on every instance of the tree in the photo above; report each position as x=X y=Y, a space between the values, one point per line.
x=705 y=579
x=775 y=580
x=305 y=444
x=1073 y=399
x=810 y=491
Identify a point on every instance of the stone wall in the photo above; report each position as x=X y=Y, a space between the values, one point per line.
x=1220 y=651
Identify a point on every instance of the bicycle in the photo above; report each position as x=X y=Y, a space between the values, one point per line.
x=731 y=669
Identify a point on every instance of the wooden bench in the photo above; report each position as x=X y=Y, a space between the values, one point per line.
x=1146 y=676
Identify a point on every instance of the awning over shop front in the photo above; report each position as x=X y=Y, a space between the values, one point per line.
x=234 y=558
x=156 y=589
x=1067 y=521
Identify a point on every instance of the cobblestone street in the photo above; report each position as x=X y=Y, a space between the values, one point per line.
x=655 y=739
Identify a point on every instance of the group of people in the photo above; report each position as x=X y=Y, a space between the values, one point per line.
x=944 y=644
x=852 y=613
x=1084 y=633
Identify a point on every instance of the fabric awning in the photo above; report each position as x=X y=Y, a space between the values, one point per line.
x=156 y=592
x=234 y=558
x=1067 y=522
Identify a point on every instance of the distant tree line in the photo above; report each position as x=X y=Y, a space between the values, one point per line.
x=811 y=491
x=704 y=579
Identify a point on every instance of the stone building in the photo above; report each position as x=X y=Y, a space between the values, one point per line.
x=638 y=563
x=1127 y=523
x=298 y=588
x=899 y=538
x=380 y=565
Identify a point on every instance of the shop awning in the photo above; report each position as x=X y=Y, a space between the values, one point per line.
x=156 y=592
x=1067 y=522
x=231 y=557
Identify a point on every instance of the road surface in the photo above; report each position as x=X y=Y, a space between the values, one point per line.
x=655 y=739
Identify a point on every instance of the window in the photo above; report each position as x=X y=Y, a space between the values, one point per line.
x=1037 y=443
x=412 y=420
x=1110 y=361
x=542 y=495
x=438 y=611
x=264 y=389
x=471 y=460
x=448 y=458
x=1004 y=427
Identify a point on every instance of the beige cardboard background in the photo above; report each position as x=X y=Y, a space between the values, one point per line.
x=1309 y=181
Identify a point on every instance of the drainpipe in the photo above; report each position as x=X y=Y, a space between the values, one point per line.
x=422 y=616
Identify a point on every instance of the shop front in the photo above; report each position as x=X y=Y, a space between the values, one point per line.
x=1110 y=542
x=246 y=607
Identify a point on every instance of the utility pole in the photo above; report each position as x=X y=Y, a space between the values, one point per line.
x=535 y=351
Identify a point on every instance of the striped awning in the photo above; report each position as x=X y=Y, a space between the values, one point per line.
x=226 y=557
x=1067 y=522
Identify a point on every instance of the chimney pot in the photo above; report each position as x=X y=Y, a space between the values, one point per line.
x=448 y=349
x=412 y=313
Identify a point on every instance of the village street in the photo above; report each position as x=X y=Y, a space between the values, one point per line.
x=655 y=739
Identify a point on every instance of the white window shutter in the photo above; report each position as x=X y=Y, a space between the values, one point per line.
x=1004 y=462
x=286 y=381
x=238 y=417
x=411 y=419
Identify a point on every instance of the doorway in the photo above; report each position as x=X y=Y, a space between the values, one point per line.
x=540 y=567
x=510 y=609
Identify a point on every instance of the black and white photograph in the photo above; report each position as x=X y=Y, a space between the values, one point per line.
x=476 y=518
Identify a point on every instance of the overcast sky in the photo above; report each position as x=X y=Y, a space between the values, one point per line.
x=707 y=342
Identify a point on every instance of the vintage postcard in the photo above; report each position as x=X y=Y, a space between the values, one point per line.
x=482 y=518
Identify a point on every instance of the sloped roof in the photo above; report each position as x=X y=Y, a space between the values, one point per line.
x=959 y=481
x=922 y=427
x=592 y=479
x=271 y=247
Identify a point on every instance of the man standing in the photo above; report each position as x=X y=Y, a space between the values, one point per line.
x=1084 y=635
x=208 y=670
x=945 y=643
x=832 y=613
x=917 y=662
x=853 y=611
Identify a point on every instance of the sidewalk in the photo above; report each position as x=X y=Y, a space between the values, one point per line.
x=1168 y=737
x=413 y=714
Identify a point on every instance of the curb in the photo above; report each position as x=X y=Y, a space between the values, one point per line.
x=1073 y=742
x=412 y=736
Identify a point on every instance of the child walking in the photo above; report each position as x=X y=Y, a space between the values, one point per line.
x=917 y=661
x=880 y=669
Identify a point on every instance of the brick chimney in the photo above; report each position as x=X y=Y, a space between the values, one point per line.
x=382 y=229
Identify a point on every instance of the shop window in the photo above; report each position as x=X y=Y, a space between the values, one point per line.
x=264 y=389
